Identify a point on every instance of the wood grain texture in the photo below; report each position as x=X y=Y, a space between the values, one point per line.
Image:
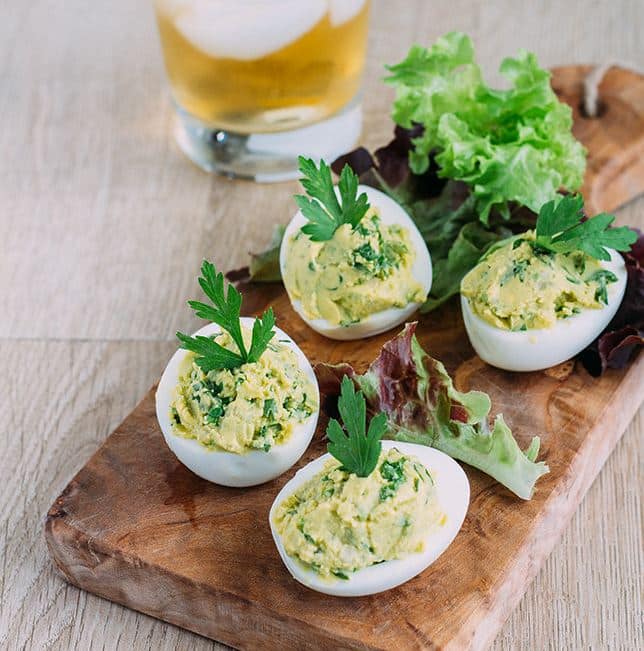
x=94 y=194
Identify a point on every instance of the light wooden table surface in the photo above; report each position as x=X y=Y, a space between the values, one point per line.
x=103 y=224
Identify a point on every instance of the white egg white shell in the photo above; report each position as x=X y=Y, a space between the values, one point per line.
x=534 y=350
x=390 y=213
x=453 y=493
x=226 y=468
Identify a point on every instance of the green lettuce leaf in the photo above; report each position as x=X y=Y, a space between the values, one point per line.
x=264 y=267
x=512 y=145
x=470 y=164
x=423 y=406
x=472 y=242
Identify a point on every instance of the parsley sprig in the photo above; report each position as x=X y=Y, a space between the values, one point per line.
x=225 y=312
x=322 y=208
x=560 y=229
x=356 y=449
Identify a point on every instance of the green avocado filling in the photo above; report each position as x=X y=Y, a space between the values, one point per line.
x=337 y=522
x=521 y=286
x=358 y=272
x=252 y=407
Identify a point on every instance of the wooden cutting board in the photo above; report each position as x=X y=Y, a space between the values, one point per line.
x=136 y=527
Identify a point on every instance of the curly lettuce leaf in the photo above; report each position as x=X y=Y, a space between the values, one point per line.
x=512 y=145
x=423 y=406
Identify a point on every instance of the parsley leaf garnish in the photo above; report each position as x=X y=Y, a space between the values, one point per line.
x=225 y=311
x=355 y=449
x=262 y=334
x=560 y=229
x=210 y=356
x=322 y=208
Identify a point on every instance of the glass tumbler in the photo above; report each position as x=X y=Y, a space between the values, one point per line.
x=258 y=82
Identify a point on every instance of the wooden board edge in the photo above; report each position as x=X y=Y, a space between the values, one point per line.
x=66 y=543
x=486 y=623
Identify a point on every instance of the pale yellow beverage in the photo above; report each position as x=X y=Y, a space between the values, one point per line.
x=262 y=66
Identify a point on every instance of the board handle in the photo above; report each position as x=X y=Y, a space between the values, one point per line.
x=614 y=137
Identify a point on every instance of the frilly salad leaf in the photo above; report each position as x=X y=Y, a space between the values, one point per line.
x=512 y=145
x=464 y=153
x=422 y=406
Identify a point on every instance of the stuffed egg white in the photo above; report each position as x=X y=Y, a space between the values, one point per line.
x=355 y=525
x=526 y=314
x=365 y=280
x=228 y=427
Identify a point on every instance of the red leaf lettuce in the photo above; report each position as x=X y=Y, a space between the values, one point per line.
x=624 y=336
x=422 y=406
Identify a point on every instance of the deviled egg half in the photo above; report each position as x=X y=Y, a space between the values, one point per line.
x=526 y=308
x=238 y=424
x=362 y=278
x=350 y=536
